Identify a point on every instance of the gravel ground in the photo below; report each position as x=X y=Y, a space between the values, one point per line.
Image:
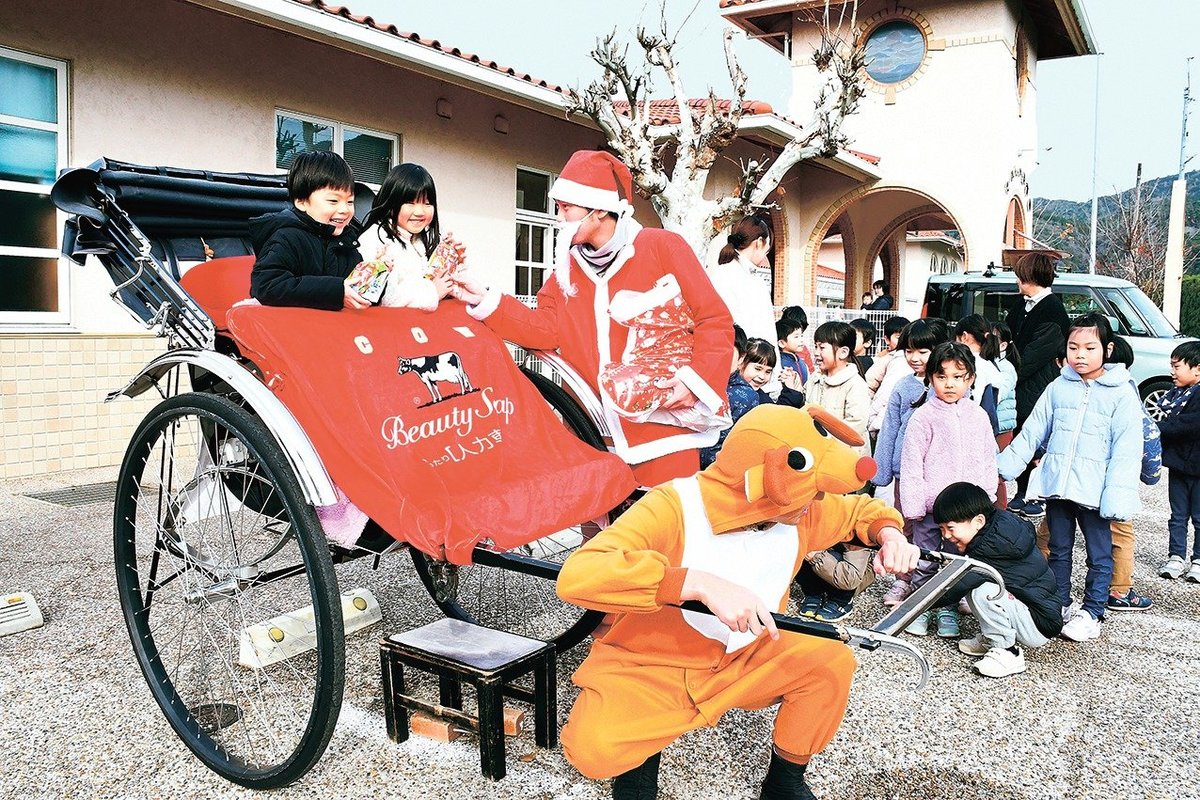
x=1115 y=718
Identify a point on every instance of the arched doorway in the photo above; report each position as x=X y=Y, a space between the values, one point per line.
x=895 y=234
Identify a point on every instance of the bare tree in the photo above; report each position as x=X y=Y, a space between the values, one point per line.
x=1132 y=238
x=619 y=103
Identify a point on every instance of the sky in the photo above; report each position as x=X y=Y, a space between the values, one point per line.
x=1142 y=71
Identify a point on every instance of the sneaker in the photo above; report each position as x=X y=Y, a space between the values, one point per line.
x=811 y=604
x=1017 y=505
x=1000 y=663
x=897 y=594
x=947 y=623
x=1069 y=612
x=1193 y=575
x=920 y=625
x=833 y=611
x=975 y=646
x=1034 y=508
x=1174 y=568
x=1081 y=627
x=1130 y=601
x=964 y=608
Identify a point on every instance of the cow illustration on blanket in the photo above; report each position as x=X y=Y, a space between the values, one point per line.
x=432 y=370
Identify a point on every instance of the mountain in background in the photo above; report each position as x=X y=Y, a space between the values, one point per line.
x=1066 y=224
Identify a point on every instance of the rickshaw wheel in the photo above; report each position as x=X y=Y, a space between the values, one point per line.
x=210 y=587
x=513 y=601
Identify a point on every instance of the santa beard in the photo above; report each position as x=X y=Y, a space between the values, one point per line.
x=564 y=233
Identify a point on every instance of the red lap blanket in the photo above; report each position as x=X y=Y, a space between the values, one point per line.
x=427 y=425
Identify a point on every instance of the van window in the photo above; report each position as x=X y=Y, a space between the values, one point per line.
x=1079 y=302
x=1126 y=313
x=944 y=300
x=994 y=301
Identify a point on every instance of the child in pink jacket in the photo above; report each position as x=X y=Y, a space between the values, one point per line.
x=947 y=441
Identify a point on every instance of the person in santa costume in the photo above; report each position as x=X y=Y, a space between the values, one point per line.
x=612 y=277
x=731 y=537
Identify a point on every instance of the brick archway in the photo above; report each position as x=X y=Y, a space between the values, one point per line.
x=840 y=206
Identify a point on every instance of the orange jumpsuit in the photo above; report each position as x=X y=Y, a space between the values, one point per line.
x=651 y=676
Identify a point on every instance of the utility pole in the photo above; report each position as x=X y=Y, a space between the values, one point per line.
x=1095 y=149
x=1173 y=268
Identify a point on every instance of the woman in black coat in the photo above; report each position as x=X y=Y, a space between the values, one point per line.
x=1039 y=324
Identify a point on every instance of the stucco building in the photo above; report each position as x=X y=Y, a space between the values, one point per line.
x=240 y=85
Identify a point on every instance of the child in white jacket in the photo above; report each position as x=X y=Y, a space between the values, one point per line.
x=835 y=385
x=403 y=232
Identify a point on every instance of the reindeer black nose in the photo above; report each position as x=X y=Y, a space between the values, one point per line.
x=796 y=460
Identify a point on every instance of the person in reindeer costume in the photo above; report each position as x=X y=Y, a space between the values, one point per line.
x=731 y=537
x=633 y=310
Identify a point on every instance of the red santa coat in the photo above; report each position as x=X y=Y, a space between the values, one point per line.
x=582 y=330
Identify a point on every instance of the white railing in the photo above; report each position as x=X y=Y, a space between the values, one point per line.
x=816 y=316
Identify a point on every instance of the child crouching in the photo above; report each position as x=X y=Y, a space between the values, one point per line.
x=1028 y=614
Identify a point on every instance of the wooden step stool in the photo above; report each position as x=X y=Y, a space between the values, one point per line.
x=490 y=660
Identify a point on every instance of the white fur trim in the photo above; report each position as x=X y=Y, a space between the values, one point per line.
x=580 y=194
x=627 y=303
x=704 y=393
x=486 y=306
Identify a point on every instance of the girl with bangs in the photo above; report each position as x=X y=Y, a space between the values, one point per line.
x=403 y=232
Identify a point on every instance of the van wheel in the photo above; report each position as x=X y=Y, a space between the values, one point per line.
x=1152 y=395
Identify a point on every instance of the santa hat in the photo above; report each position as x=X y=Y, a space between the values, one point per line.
x=595 y=179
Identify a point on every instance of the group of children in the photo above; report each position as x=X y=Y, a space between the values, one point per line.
x=940 y=407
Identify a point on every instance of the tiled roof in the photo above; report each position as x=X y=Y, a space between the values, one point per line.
x=731 y=3
x=666 y=112
x=432 y=44
x=831 y=273
x=870 y=159
x=663 y=112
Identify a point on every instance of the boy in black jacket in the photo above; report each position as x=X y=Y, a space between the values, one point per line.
x=1180 y=428
x=305 y=253
x=1029 y=613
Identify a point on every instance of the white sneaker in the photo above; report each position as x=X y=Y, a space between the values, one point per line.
x=1081 y=627
x=975 y=646
x=1193 y=575
x=1068 y=612
x=1174 y=568
x=897 y=594
x=1000 y=663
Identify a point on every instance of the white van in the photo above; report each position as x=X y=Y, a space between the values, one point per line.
x=1134 y=316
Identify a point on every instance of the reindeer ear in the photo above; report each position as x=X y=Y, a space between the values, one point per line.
x=840 y=430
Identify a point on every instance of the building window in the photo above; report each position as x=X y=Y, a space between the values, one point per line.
x=535 y=230
x=895 y=51
x=33 y=146
x=369 y=153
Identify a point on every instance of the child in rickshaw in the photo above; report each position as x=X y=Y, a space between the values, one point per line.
x=404 y=234
x=304 y=253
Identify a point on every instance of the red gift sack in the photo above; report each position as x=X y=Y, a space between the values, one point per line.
x=427 y=425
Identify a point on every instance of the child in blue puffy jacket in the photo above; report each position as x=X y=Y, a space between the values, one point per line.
x=1089 y=422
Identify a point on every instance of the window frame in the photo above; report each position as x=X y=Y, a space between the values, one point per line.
x=544 y=220
x=14 y=319
x=339 y=137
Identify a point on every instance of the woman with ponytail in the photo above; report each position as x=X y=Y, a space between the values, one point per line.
x=747 y=295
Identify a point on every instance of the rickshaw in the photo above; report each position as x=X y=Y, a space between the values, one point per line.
x=219 y=551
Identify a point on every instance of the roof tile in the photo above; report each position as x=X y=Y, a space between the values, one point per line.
x=432 y=44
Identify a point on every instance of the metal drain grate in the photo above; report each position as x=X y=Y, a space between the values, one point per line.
x=84 y=495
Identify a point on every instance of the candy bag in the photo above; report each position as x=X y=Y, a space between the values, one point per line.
x=369 y=279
